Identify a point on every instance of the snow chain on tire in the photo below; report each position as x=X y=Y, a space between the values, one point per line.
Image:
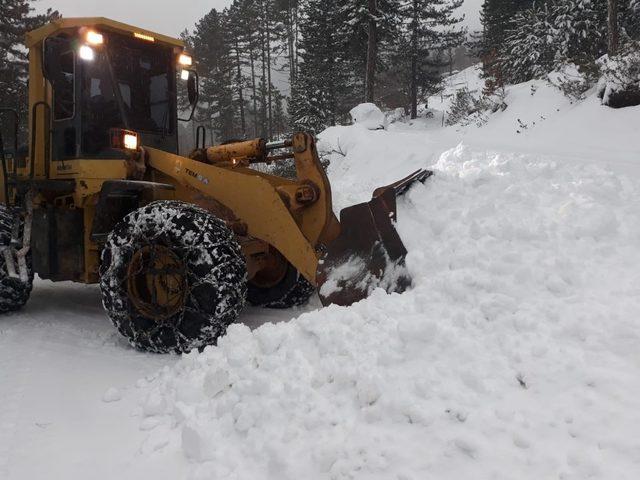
x=196 y=264
x=14 y=292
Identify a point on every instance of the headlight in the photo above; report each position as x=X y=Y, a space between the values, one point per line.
x=122 y=139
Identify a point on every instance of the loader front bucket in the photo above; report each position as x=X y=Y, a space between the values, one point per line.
x=368 y=253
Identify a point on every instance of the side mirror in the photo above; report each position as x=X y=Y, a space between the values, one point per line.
x=192 y=88
x=193 y=93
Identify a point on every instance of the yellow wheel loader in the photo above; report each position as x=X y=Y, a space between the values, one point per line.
x=178 y=242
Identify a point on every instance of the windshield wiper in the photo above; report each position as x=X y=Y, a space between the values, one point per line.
x=116 y=90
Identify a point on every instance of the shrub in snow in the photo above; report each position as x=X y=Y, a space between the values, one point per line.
x=574 y=81
x=368 y=115
x=620 y=82
x=467 y=109
x=395 y=115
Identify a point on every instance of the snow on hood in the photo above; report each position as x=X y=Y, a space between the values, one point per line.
x=515 y=355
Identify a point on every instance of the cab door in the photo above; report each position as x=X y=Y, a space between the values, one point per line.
x=61 y=71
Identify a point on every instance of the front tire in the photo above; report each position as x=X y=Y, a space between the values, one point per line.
x=292 y=291
x=14 y=293
x=173 y=277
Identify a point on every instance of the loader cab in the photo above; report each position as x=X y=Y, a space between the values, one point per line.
x=102 y=81
x=89 y=77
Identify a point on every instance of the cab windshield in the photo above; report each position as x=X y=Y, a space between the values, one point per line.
x=145 y=80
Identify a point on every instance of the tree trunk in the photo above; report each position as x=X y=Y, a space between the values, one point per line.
x=372 y=53
x=243 y=124
x=295 y=40
x=414 y=87
x=414 y=62
x=613 y=31
x=263 y=87
x=290 y=40
x=254 y=95
x=269 y=93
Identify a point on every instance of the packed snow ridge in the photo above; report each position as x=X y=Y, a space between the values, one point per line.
x=514 y=355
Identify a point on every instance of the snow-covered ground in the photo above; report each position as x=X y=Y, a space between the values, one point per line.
x=70 y=389
x=515 y=355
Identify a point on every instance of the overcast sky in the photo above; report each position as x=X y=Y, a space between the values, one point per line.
x=171 y=18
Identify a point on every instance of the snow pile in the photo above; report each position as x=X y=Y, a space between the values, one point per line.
x=514 y=356
x=368 y=115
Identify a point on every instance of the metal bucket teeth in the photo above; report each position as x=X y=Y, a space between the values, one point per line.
x=368 y=253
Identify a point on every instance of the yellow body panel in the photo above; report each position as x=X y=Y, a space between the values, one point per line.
x=88 y=169
x=252 y=199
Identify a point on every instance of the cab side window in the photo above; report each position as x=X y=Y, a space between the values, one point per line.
x=64 y=88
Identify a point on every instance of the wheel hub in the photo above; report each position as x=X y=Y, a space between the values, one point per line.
x=157 y=282
x=272 y=272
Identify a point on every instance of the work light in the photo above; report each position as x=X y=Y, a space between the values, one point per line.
x=94 y=38
x=185 y=60
x=86 y=53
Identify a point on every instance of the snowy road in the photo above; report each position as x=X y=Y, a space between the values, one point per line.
x=58 y=358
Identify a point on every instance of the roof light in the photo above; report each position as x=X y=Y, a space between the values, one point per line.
x=144 y=36
x=86 y=53
x=185 y=60
x=94 y=38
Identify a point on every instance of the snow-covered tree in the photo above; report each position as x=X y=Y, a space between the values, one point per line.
x=527 y=52
x=16 y=18
x=496 y=17
x=554 y=33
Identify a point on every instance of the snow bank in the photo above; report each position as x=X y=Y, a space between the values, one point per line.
x=515 y=355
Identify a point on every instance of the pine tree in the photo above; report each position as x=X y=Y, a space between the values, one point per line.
x=247 y=22
x=430 y=27
x=497 y=17
x=369 y=28
x=324 y=92
x=280 y=120
x=212 y=46
x=287 y=14
x=527 y=51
